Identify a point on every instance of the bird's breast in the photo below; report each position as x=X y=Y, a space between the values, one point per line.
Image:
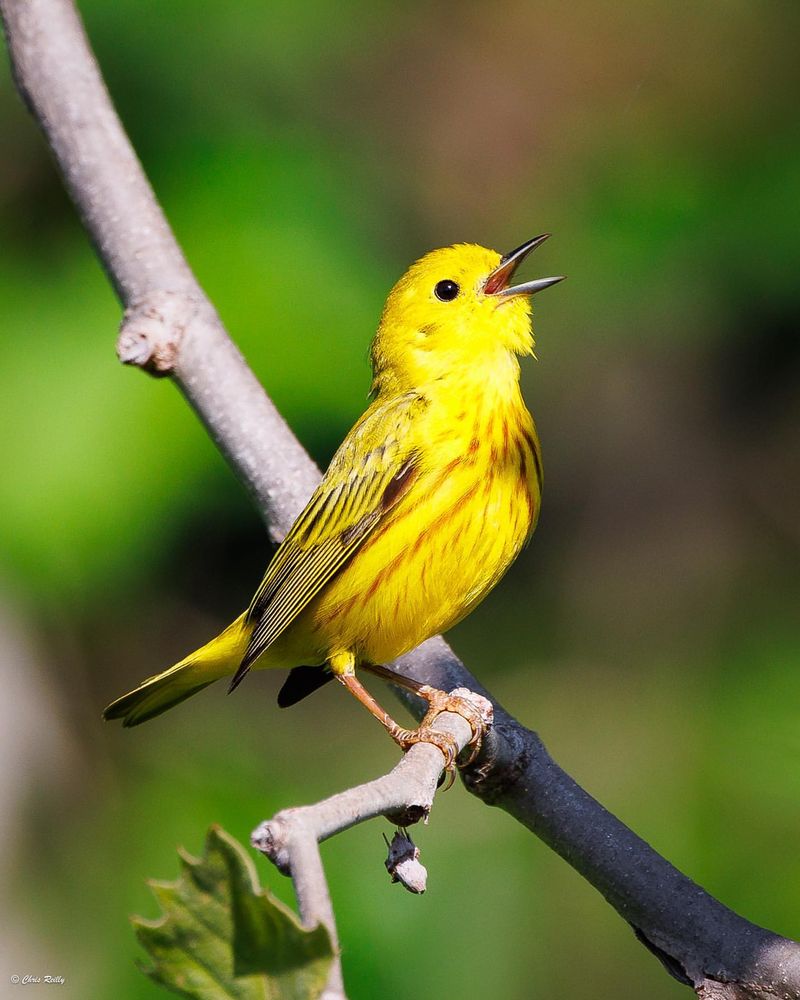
x=471 y=509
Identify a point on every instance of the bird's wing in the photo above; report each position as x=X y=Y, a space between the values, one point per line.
x=371 y=471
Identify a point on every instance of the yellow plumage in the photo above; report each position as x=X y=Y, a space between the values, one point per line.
x=423 y=508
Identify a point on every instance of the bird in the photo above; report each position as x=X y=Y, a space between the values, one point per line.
x=425 y=505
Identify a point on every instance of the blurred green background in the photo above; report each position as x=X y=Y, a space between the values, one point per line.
x=305 y=155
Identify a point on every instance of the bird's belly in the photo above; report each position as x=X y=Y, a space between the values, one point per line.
x=427 y=568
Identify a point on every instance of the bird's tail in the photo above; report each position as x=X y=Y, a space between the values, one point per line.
x=216 y=659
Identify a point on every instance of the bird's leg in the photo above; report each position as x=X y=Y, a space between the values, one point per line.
x=438 y=702
x=404 y=738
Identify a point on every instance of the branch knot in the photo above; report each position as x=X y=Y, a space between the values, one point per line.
x=272 y=838
x=153 y=329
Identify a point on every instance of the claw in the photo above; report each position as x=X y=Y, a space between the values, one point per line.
x=406 y=738
x=447 y=779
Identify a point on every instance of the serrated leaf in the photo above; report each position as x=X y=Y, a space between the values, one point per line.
x=223 y=937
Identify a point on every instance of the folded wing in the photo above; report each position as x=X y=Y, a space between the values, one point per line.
x=369 y=474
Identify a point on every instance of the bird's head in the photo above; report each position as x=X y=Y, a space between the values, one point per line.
x=455 y=309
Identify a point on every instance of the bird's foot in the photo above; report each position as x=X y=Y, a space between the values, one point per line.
x=407 y=738
x=475 y=709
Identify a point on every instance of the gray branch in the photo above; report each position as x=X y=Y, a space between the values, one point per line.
x=171 y=328
x=291 y=839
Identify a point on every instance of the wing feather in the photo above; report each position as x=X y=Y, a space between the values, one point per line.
x=368 y=475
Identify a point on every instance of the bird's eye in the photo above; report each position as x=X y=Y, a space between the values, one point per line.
x=446 y=290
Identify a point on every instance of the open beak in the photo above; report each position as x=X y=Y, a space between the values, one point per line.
x=498 y=282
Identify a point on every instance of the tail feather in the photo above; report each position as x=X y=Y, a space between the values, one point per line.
x=155 y=695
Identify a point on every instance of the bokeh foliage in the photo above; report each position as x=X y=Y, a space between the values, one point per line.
x=305 y=156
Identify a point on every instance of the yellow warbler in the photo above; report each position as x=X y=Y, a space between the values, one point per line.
x=423 y=508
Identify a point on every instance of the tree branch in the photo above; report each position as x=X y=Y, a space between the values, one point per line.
x=170 y=327
x=291 y=839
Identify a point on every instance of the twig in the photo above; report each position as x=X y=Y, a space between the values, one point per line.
x=404 y=795
x=291 y=839
x=171 y=328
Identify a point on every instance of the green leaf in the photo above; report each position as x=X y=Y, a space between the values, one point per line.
x=222 y=936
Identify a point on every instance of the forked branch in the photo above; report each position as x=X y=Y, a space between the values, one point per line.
x=171 y=328
x=404 y=796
